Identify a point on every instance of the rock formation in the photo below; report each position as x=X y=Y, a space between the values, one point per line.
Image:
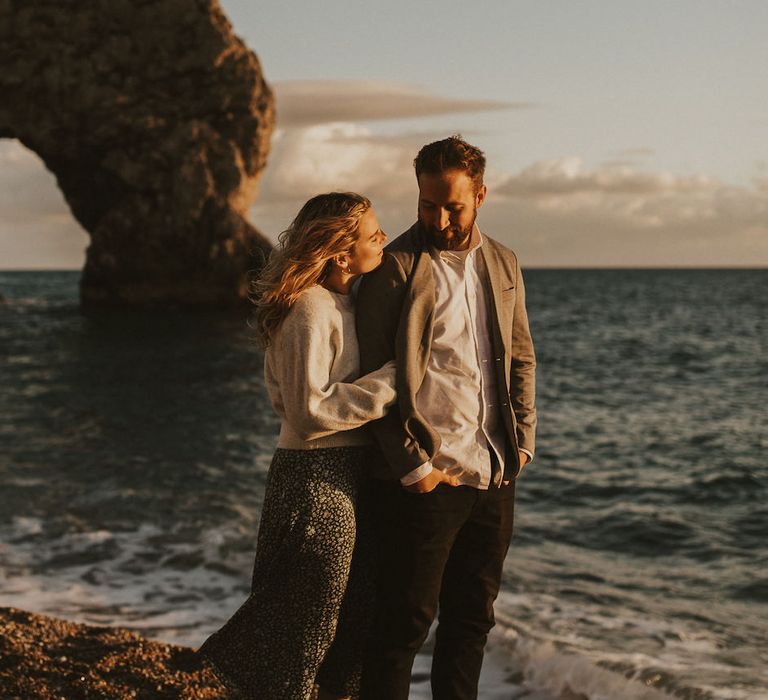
x=155 y=119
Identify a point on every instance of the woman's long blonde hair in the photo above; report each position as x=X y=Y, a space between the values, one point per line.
x=326 y=226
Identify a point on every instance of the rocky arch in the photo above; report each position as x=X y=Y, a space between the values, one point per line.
x=155 y=119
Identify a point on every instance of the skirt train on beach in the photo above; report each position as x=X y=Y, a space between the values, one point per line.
x=306 y=618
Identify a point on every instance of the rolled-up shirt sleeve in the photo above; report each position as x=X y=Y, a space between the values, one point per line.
x=417 y=474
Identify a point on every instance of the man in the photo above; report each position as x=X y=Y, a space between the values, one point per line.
x=448 y=304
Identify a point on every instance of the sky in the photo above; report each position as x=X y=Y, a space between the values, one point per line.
x=617 y=133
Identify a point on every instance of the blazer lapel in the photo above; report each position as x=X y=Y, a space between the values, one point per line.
x=416 y=321
x=493 y=268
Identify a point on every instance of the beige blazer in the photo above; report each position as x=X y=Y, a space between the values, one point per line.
x=395 y=310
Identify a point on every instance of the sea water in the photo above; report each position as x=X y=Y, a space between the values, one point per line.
x=134 y=448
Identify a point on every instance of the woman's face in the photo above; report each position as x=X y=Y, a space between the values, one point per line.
x=369 y=249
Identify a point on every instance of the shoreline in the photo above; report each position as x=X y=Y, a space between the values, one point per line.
x=43 y=656
x=47 y=657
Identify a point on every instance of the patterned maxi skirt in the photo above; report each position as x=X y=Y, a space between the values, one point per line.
x=306 y=618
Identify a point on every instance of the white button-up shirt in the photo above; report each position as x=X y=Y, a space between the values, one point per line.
x=459 y=395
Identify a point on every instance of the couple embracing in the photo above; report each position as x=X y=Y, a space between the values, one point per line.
x=408 y=411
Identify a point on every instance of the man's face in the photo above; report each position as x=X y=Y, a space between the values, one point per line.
x=448 y=204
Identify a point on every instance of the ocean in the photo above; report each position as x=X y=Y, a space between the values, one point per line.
x=134 y=449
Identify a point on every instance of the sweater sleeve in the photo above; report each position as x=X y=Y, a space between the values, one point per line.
x=314 y=406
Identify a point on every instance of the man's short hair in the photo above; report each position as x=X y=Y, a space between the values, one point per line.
x=453 y=153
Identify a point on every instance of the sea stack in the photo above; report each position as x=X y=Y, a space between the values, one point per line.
x=156 y=120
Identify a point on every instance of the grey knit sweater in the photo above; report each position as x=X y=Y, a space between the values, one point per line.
x=311 y=368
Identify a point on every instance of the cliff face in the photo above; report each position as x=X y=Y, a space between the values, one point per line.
x=155 y=119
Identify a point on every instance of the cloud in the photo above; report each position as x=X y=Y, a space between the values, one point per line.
x=26 y=186
x=635 y=152
x=554 y=212
x=565 y=177
x=37 y=229
x=628 y=157
x=564 y=214
x=337 y=157
x=302 y=103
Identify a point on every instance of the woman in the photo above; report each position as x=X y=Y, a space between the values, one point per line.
x=284 y=638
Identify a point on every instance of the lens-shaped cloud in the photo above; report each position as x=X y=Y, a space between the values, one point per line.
x=302 y=103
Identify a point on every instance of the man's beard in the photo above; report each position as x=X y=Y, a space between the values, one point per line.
x=450 y=238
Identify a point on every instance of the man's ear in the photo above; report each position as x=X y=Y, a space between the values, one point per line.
x=480 y=196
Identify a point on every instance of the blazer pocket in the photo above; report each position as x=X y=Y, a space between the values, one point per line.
x=508 y=294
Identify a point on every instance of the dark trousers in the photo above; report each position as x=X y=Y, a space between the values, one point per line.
x=446 y=547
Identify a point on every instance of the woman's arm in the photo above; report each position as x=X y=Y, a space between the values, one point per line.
x=314 y=406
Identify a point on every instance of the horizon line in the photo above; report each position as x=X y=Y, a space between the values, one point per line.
x=524 y=267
